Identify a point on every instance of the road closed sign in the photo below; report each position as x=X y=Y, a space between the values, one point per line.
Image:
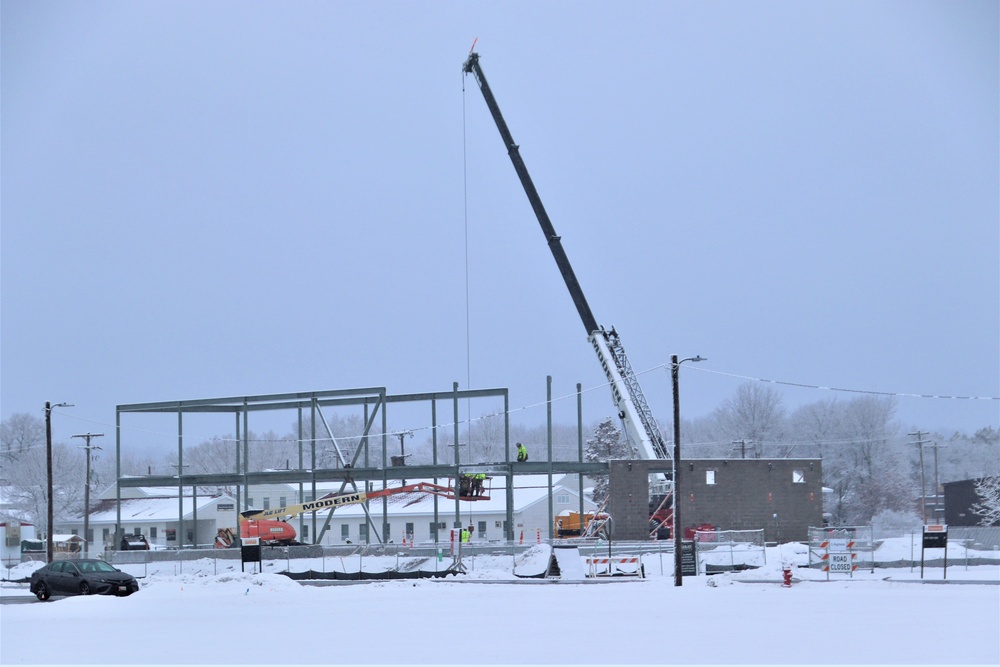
x=841 y=562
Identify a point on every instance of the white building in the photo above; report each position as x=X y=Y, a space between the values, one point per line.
x=153 y=512
x=413 y=515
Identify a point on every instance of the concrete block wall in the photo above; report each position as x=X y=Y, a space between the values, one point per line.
x=748 y=493
x=628 y=503
x=740 y=494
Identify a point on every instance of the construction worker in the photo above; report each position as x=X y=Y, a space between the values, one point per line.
x=522 y=453
x=477 y=483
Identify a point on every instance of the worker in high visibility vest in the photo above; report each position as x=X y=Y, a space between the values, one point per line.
x=522 y=453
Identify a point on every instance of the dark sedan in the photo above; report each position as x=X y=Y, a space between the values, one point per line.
x=81 y=577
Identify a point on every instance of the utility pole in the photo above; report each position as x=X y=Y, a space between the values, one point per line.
x=937 y=498
x=48 y=468
x=86 y=492
x=919 y=435
x=743 y=447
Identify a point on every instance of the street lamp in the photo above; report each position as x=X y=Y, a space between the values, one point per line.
x=675 y=367
x=402 y=449
x=48 y=468
x=86 y=492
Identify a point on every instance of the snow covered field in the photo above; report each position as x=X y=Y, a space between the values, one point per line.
x=488 y=616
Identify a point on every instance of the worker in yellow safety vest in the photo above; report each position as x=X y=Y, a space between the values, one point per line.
x=522 y=453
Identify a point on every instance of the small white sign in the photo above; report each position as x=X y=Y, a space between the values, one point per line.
x=837 y=545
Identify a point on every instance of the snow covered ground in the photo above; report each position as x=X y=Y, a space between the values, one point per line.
x=199 y=613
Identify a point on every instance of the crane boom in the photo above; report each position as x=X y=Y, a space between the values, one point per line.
x=633 y=410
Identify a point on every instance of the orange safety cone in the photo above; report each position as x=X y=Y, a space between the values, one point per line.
x=404 y=539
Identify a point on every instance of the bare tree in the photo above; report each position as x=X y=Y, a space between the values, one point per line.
x=19 y=433
x=755 y=415
x=26 y=471
x=486 y=437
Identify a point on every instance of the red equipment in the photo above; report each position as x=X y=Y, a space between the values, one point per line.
x=274 y=531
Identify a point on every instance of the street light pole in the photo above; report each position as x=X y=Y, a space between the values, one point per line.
x=86 y=493
x=402 y=449
x=48 y=469
x=675 y=367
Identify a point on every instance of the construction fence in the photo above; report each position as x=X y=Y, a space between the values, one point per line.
x=867 y=549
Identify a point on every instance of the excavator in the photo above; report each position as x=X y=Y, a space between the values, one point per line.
x=272 y=528
x=633 y=409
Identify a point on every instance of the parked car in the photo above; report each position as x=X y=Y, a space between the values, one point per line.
x=134 y=543
x=81 y=577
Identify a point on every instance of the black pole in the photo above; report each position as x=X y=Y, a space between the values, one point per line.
x=48 y=468
x=674 y=372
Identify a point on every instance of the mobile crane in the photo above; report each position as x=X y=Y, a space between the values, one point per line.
x=272 y=528
x=633 y=409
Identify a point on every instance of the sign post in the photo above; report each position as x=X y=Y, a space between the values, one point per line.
x=935 y=537
x=250 y=552
x=839 y=557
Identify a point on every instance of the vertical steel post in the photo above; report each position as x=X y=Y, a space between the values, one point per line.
x=548 y=438
x=579 y=446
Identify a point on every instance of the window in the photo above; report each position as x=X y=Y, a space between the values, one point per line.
x=171 y=534
x=282 y=501
x=345 y=532
x=562 y=499
x=152 y=532
x=363 y=532
x=798 y=477
x=90 y=535
x=249 y=502
x=709 y=477
x=481 y=528
x=409 y=530
x=267 y=503
x=305 y=531
x=190 y=536
x=434 y=530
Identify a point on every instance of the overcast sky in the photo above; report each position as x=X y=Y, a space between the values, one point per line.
x=218 y=199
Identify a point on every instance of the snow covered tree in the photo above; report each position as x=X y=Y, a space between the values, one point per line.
x=988 y=489
x=20 y=433
x=754 y=415
x=607 y=444
x=26 y=472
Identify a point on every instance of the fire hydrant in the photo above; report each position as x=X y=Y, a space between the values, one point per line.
x=787 y=572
